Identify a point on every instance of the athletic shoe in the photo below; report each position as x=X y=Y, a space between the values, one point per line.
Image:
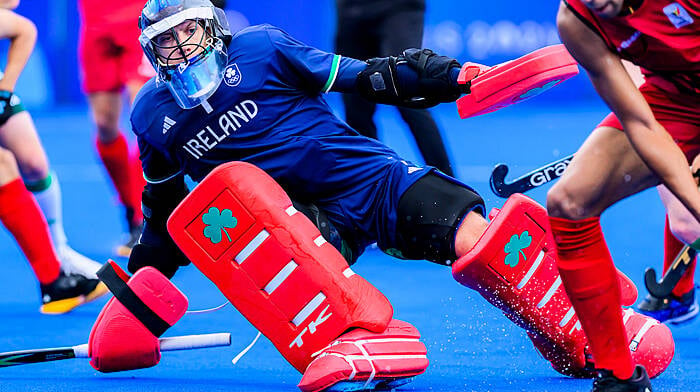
x=73 y=262
x=69 y=291
x=124 y=250
x=605 y=381
x=673 y=309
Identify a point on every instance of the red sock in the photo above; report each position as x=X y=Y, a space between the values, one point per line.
x=23 y=218
x=115 y=157
x=137 y=184
x=590 y=279
x=671 y=248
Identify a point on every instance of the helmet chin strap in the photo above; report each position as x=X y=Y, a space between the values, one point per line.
x=205 y=104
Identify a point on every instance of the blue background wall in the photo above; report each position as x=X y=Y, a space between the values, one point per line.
x=466 y=30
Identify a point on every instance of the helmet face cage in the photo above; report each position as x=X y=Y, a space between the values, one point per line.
x=191 y=78
x=176 y=50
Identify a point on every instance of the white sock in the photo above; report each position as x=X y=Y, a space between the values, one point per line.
x=48 y=195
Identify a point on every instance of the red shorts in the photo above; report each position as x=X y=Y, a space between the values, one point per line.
x=678 y=113
x=111 y=57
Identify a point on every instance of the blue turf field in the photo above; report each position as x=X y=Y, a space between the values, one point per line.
x=470 y=345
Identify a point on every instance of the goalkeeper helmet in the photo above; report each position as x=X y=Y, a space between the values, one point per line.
x=186 y=42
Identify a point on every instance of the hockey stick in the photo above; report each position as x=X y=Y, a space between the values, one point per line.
x=533 y=179
x=664 y=287
x=187 y=342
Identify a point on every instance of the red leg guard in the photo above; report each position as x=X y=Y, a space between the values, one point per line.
x=372 y=360
x=513 y=267
x=239 y=228
x=650 y=342
x=119 y=340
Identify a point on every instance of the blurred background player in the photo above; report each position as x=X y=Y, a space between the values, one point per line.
x=661 y=123
x=112 y=61
x=379 y=28
x=682 y=305
x=71 y=281
x=19 y=136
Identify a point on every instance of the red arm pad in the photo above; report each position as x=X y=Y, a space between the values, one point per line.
x=118 y=340
x=239 y=228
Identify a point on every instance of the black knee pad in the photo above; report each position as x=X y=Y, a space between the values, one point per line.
x=429 y=213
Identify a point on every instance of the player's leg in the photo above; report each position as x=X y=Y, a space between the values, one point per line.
x=21 y=215
x=19 y=136
x=99 y=57
x=605 y=170
x=680 y=228
x=402 y=29
x=113 y=149
x=134 y=71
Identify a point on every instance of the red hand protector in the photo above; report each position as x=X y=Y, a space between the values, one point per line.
x=496 y=87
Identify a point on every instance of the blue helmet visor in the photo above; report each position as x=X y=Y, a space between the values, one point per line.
x=192 y=82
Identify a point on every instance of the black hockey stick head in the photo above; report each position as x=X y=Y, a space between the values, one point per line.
x=528 y=181
x=664 y=287
x=497 y=181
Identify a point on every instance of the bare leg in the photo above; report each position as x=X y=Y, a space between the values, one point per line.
x=682 y=222
x=19 y=135
x=106 y=109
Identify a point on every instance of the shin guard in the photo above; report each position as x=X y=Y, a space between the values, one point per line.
x=513 y=267
x=125 y=335
x=240 y=229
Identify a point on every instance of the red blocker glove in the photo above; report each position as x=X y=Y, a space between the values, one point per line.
x=125 y=335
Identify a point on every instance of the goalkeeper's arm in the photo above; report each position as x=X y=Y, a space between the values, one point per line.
x=155 y=246
x=417 y=78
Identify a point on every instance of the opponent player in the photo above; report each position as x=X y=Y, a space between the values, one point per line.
x=680 y=306
x=111 y=61
x=71 y=281
x=256 y=97
x=650 y=138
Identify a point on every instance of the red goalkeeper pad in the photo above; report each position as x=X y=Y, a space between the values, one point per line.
x=238 y=226
x=496 y=87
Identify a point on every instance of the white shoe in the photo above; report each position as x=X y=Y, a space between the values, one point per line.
x=73 y=262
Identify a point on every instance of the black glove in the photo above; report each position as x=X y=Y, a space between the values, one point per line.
x=434 y=75
x=418 y=79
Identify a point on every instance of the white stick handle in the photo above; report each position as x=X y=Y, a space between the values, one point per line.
x=187 y=342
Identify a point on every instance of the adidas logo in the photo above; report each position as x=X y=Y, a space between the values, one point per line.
x=413 y=169
x=167 y=123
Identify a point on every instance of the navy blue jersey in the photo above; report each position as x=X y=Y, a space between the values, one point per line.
x=269 y=111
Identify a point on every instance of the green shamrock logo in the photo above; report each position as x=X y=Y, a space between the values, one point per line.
x=515 y=247
x=217 y=222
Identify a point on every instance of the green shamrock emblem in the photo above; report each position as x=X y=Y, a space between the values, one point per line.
x=217 y=222
x=515 y=247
